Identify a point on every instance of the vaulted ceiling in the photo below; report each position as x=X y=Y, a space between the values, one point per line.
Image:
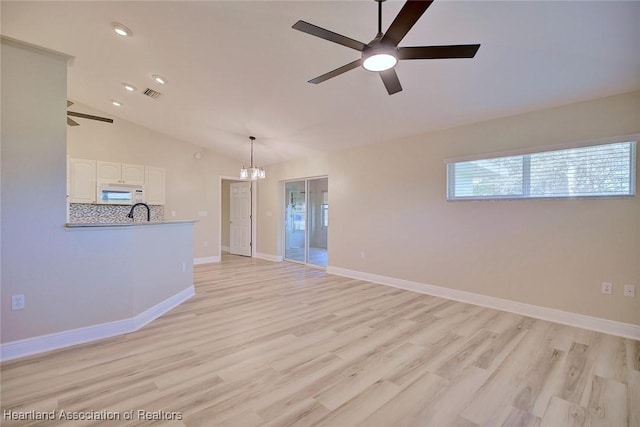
x=237 y=68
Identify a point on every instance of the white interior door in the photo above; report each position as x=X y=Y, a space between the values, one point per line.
x=240 y=219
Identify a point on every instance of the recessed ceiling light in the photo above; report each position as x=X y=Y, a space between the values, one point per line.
x=116 y=103
x=159 y=79
x=129 y=87
x=121 y=30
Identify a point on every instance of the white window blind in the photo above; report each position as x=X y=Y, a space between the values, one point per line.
x=598 y=170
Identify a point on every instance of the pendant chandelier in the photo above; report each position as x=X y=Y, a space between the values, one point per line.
x=252 y=172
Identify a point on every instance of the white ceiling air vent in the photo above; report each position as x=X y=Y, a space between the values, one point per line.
x=151 y=93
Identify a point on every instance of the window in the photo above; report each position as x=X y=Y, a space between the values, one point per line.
x=325 y=209
x=298 y=210
x=598 y=170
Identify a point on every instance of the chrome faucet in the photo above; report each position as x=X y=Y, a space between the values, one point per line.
x=130 y=214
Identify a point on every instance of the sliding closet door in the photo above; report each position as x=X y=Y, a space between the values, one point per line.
x=295 y=221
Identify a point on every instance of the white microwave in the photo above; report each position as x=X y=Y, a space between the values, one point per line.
x=119 y=194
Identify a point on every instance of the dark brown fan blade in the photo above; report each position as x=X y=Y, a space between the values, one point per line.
x=438 y=52
x=407 y=17
x=314 y=30
x=71 y=122
x=337 y=72
x=391 y=81
x=69 y=103
x=88 y=116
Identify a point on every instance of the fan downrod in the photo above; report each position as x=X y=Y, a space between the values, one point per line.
x=379 y=35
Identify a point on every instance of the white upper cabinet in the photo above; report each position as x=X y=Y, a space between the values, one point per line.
x=109 y=172
x=132 y=174
x=83 y=176
x=154 y=185
x=120 y=173
x=82 y=181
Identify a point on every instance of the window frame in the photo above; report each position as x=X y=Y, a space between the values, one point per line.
x=526 y=169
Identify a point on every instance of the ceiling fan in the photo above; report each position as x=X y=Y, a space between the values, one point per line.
x=71 y=122
x=382 y=53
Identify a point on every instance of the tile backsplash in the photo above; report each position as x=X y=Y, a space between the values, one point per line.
x=89 y=213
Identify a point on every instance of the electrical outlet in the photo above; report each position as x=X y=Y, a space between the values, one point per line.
x=17 y=302
x=362 y=255
x=630 y=291
x=607 y=288
x=184 y=267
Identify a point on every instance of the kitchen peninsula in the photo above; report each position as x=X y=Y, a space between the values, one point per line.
x=131 y=273
x=148 y=264
x=76 y=283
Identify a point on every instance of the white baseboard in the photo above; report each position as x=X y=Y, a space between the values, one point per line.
x=224 y=248
x=158 y=310
x=268 y=257
x=206 y=260
x=597 y=324
x=29 y=346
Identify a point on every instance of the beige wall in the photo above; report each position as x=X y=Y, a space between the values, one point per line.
x=389 y=201
x=70 y=278
x=192 y=184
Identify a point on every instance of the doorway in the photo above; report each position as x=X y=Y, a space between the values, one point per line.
x=240 y=218
x=307 y=221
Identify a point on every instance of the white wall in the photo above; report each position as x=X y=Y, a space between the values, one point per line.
x=192 y=184
x=389 y=201
x=70 y=278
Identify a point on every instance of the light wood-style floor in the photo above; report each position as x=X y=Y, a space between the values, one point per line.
x=317 y=256
x=279 y=344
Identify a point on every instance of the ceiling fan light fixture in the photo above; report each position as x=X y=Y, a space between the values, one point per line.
x=380 y=61
x=382 y=53
x=121 y=30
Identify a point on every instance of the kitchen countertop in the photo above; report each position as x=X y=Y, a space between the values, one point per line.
x=125 y=224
